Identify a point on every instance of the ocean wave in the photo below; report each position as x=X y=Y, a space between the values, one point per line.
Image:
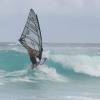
x=57 y=65
x=85 y=64
x=80 y=98
x=46 y=73
x=31 y=76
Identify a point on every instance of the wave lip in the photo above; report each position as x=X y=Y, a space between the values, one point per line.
x=82 y=63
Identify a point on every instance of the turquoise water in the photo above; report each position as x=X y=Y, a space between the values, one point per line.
x=72 y=72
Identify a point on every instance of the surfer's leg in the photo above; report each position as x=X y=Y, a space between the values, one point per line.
x=34 y=66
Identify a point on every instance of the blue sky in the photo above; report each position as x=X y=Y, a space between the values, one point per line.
x=76 y=21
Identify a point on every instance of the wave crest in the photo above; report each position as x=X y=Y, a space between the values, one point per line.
x=89 y=65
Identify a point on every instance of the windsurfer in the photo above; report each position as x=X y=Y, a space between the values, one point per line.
x=33 y=55
x=31 y=39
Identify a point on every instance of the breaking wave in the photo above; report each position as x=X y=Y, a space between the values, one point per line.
x=16 y=66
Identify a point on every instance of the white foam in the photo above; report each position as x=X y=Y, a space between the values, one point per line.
x=14 y=76
x=16 y=73
x=46 y=53
x=21 y=79
x=63 y=98
x=79 y=63
x=13 y=44
x=46 y=73
x=80 y=98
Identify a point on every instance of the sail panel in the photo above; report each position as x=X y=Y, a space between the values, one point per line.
x=31 y=36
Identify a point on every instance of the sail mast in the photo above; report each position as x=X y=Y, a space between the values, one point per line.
x=39 y=31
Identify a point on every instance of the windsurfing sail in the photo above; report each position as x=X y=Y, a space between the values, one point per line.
x=31 y=35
